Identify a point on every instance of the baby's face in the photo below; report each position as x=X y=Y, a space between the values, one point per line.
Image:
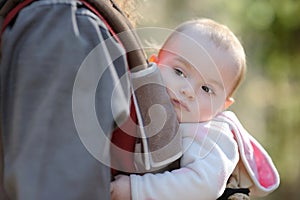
x=197 y=78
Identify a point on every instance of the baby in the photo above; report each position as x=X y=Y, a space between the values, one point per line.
x=202 y=64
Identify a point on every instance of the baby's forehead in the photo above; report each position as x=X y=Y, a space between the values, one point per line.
x=189 y=42
x=189 y=35
x=197 y=47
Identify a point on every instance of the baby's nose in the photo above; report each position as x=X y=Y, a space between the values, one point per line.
x=188 y=92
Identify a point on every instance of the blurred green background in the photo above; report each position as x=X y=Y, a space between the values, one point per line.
x=268 y=102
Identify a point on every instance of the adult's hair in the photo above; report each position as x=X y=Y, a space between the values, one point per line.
x=129 y=8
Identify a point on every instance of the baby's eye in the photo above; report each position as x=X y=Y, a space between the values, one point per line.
x=179 y=72
x=207 y=89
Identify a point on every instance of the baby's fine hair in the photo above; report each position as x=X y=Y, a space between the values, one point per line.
x=223 y=38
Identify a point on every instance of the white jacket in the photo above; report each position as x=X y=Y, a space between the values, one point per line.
x=211 y=151
x=210 y=155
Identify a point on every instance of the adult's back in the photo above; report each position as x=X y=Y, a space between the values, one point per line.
x=42 y=51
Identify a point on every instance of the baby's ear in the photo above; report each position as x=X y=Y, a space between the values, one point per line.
x=228 y=102
x=153 y=58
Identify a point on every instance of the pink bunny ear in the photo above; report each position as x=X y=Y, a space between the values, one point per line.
x=256 y=160
x=267 y=174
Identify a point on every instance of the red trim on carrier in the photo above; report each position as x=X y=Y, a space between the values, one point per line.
x=12 y=14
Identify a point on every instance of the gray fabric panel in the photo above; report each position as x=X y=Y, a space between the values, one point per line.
x=44 y=156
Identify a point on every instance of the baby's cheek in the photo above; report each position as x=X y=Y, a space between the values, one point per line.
x=170 y=92
x=207 y=111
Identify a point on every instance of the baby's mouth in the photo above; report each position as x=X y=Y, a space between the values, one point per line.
x=180 y=104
